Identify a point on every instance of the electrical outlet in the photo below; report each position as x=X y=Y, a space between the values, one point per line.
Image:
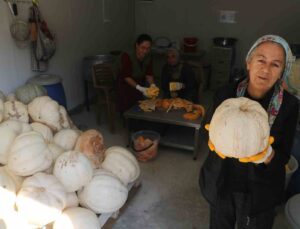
x=227 y=16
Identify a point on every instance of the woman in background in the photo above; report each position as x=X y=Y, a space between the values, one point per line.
x=174 y=71
x=135 y=73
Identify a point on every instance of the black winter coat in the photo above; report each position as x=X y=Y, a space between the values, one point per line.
x=264 y=183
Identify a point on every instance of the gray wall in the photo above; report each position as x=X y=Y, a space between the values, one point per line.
x=177 y=19
x=80 y=31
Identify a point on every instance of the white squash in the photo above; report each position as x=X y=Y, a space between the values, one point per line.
x=105 y=193
x=15 y=110
x=18 y=180
x=41 y=199
x=239 y=128
x=77 y=218
x=7 y=137
x=7 y=191
x=72 y=200
x=18 y=126
x=1 y=110
x=66 y=138
x=44 y=130
x=56 y=150
x=65 y=122
x=122 y=163
x=91 y=144
x=73 y=170
x=45 y=110
x=29 y=154
x=27 y=92
x=13 y=220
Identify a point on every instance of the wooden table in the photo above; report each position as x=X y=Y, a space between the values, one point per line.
x=173 y=118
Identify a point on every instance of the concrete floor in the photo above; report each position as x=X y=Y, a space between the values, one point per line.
x=169 y=196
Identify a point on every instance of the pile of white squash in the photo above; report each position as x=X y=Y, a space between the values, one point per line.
x=51 y=173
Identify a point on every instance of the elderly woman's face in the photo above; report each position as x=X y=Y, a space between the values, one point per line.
x=172 y=58
x=265 y=66
x=142 y=49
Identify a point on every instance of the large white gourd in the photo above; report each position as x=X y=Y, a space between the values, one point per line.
x=7 y=192
x=13 y=220
x=77 y=218
x=105 y=193
x=41 y=199
x=122 y=163
x=18 y=180
x=66 y=138
x=18 y=126
x=15 y=110
x=239 y=128
x=64 y=118
x=7 y=137
x=29 y=154
x=27 y=92
x=45 y=110
x=43 y=130
x=73 y=170
x=91 y=144
x=72 y=200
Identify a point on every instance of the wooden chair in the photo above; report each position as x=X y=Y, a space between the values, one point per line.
x=199 y=74
x=104 y=83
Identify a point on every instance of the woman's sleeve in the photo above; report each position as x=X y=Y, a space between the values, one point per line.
x=150 y=68
x=165 y=82
x=126 y=66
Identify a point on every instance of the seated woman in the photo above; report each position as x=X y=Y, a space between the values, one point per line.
x=174 y=71
x=135 y=73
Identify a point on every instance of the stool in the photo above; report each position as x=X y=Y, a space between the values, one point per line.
x=53 y=85
x=103 y=81
x=292 y=212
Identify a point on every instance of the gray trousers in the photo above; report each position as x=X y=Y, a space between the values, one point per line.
x=233 y=212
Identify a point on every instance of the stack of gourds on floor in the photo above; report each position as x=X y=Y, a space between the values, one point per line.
x=53 y=174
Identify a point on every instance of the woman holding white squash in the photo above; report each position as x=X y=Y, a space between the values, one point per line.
x=247 y=193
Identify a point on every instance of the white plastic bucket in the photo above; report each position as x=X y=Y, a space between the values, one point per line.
x=290 y=168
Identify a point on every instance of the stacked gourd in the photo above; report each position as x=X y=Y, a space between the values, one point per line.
x=48 y=167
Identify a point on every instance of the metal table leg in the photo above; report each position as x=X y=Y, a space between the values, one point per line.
x=196 y=144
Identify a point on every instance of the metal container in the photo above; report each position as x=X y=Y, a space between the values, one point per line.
x=89 y=61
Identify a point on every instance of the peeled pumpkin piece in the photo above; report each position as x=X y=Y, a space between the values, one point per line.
x=41 y=199
x=91 y=144
x=7 y=191
x=66 y=138
x=29 y=154
x=43 y=130
x=77 y=218
x=73 y=170
x=45 y=110
x=15 y=110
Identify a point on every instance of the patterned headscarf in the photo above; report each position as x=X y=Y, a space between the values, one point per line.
x=175 y=52
x=277 y=96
